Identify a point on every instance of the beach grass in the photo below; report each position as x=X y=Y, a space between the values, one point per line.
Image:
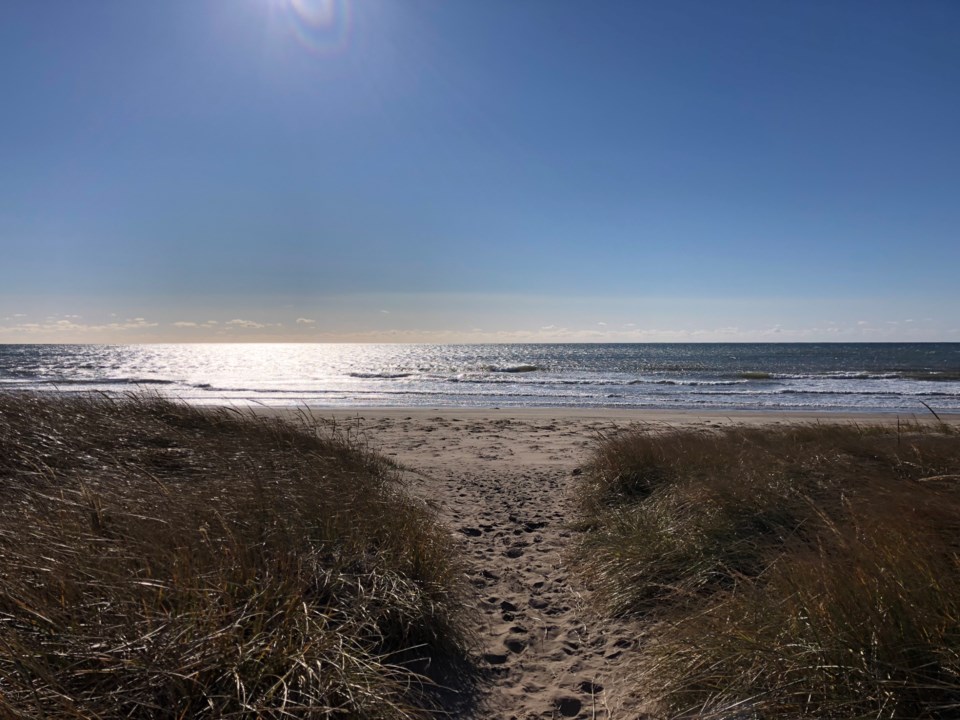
x=163 y=561
x=805 y=571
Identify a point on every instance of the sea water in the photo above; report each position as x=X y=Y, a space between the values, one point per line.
x=893 y=377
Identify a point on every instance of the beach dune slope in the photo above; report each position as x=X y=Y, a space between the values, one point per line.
x=163 y=561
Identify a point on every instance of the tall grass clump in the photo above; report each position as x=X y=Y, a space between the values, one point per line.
x=797 y=572
x=162 y=561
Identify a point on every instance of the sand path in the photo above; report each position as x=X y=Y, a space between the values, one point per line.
x=501 y=481
x=503 y=487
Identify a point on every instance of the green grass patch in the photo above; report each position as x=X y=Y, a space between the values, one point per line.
x=806 y=571
x=163 y=561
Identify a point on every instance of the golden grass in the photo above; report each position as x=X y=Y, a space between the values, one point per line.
x=809 y=571
x=161 y=561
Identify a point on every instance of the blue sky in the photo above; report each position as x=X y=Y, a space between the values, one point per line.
x=473 y=171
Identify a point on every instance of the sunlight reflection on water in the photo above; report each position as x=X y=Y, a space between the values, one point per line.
x=894 y=377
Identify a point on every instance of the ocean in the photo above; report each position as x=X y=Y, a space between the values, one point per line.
x=884 y=377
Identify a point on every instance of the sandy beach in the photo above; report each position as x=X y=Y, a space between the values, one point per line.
x=501 y=481
x=569 y=567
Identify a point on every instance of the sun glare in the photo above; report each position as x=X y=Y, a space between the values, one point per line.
x=319 y=13
x=321 y=26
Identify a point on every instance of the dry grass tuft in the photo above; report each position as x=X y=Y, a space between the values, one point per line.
x=163 y=561
x=809 y=571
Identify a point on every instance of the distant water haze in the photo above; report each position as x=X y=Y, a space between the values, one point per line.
x=892 y=377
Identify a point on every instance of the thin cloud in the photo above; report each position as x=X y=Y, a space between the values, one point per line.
x=305 y=321
x=240 y=323
x=58 y=327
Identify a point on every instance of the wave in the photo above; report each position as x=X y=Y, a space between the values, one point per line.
x=512 y=368
x=686 y=383
x=103 y=381
x=273 y=391
x=513 y=381
x=921 y=375
x=851 y=393
x=933 y=376
x=883 y=393
x=379 y=375
x=886 y=393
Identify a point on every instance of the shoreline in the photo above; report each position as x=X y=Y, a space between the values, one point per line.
x=650 y=416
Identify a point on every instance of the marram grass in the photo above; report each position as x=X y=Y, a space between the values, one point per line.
x=160 y=561
x=801 y=572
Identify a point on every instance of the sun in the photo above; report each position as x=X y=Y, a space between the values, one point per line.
x=318 y=13
x=321 y=26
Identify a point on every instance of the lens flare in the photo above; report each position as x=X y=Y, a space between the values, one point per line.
x=321 y=26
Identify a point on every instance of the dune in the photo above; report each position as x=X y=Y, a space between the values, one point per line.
x=502 y=482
